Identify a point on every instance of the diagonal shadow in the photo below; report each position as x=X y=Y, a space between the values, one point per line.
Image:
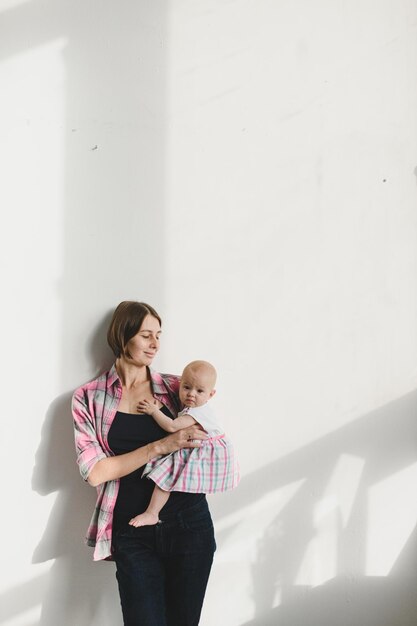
x=385 y=440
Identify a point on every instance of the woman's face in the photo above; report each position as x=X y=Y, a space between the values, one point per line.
x=145 y=344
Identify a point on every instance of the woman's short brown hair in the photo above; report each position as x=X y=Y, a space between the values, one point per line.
x=126 y=322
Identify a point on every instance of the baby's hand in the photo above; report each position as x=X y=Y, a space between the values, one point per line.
x=144 y=406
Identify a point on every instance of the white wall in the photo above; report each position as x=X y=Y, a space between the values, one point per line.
x=249 y=168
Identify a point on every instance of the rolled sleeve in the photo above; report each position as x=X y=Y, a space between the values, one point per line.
x=88 y=448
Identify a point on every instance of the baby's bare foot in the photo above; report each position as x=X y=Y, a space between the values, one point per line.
x=144 y=519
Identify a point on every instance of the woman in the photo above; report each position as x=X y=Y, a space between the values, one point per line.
x=162 y=570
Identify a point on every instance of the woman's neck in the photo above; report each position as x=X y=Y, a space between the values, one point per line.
x=130 y=374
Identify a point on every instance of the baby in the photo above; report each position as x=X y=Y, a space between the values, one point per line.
x=210 y=468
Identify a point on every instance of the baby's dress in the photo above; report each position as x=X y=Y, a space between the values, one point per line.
x=211 y=468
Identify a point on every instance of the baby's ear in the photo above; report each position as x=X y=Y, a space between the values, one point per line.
x=212 y=392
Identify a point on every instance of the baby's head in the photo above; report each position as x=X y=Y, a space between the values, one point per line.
x=197 y=383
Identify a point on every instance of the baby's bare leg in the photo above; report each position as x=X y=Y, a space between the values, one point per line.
x=151 y=515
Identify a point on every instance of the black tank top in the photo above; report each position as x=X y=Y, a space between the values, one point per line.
x=128 y=432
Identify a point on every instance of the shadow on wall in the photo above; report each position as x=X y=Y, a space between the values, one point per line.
x=78 y=591
x=75 y=590
x=101 y=356
x=354 y=462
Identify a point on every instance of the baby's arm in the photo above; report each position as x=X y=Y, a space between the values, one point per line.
x=165 y=422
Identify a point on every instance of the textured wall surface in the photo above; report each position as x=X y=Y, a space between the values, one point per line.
x=249 y=168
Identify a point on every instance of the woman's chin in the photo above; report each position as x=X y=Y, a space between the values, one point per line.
x=142 y=361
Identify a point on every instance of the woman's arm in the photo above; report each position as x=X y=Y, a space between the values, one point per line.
x=165 y=422
x=114 y=467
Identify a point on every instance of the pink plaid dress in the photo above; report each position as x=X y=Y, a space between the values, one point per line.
x=211 y=468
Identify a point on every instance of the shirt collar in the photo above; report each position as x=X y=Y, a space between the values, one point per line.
x=157 y=383
x=112 y=376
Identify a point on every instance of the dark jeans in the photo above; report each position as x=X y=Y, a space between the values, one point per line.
x=163 y=570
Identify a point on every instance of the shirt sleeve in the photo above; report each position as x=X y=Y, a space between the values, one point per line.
x=87 y=446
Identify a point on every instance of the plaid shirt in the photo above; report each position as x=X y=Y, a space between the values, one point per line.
x=94 y=406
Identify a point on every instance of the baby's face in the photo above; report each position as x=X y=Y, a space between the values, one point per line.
x=196 y=388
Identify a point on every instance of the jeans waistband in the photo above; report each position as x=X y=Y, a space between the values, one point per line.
x=186 y=513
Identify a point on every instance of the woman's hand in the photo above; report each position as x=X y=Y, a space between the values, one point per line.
x=191 y=437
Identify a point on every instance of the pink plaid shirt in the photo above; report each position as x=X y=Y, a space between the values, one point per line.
x=94 y=406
